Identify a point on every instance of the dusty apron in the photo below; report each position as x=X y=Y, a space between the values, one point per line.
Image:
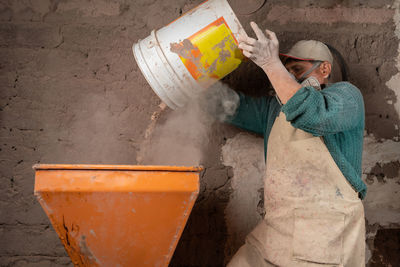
x=313 y=215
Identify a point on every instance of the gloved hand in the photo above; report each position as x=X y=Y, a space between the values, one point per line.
x=264 y=51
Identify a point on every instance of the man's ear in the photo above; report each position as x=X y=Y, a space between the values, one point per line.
x=325 y=68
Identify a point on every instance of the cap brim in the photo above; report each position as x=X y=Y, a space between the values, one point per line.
x=290 y=56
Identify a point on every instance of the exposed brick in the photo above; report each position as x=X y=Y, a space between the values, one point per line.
x=130 y=14
x=366 y=77
x=333 y=3
x=5 y=13
x=387 y=70
x=34 y=261
x=20 y=10
x=27 y=241
x=112 y=65
x=285 y=14
x=26 y=212
x=94 y=36
x=29 y=35
x=380 y=46
x=8 y=80
x=50 y=63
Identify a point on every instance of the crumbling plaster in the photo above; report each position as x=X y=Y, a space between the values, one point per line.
x=394 y=82
x=245 y=154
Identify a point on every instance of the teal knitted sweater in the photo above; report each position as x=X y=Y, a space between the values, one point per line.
x=336 y=113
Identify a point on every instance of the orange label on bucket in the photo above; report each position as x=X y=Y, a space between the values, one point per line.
x=210 y=54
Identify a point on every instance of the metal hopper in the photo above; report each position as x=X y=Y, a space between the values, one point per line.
x=117 y=215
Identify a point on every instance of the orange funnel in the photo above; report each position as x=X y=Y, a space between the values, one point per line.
x=117 y=215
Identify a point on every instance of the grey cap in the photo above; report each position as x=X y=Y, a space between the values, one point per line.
x=310 y=50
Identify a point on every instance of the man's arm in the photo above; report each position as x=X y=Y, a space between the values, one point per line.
x=246 y=112
x=265 y=53
x=285 y=86
x=252 y=113
x=337 y=108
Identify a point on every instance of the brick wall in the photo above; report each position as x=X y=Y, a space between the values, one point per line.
x=71 y=92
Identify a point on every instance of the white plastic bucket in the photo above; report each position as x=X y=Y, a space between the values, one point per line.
x=191 y=53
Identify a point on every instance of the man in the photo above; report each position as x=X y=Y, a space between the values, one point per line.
x=313 y=141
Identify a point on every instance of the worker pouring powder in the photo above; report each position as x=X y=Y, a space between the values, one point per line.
x=313 y=141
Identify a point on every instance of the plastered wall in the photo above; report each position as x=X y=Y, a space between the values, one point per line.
x=71 y=92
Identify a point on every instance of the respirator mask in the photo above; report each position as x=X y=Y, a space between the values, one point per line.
x=310 y=81
x=304 y=82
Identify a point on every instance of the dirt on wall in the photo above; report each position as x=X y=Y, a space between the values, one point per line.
x=71 y=92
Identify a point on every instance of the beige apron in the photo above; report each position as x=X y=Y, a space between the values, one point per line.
x=313 y=215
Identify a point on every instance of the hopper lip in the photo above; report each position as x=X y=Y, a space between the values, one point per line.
x=105 y=167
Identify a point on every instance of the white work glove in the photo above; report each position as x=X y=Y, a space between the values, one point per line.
x=264 y=51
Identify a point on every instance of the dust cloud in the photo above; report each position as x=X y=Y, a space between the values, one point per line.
x=182 y=138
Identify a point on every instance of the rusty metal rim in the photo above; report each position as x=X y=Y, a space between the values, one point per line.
x=117 y=167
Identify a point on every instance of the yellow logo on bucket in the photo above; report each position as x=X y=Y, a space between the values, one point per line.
x=210 y=54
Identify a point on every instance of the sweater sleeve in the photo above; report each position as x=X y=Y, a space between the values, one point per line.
x=252 y=113
x=337 y=108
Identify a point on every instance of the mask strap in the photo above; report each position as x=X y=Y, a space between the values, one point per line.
x=313 y=67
